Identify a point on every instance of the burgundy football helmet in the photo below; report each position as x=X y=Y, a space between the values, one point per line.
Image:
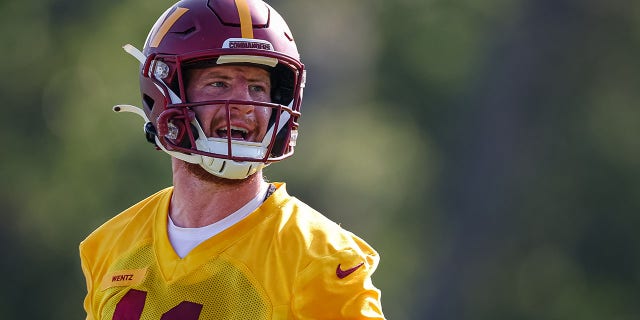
x=196 y=33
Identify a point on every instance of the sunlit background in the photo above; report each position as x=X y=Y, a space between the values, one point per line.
x=488 y=149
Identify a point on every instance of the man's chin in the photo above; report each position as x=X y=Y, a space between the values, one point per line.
x=200 y=173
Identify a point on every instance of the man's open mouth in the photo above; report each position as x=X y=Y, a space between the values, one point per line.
x=237 y=133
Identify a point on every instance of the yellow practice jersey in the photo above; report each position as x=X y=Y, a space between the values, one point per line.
x=283 y=261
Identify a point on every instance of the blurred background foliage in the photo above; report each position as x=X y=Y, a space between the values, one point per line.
x=488 y=149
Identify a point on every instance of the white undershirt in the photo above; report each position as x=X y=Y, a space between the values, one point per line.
x=184 y=240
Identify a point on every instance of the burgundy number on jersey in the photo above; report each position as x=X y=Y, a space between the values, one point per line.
x=184 y=311
x=131 y=305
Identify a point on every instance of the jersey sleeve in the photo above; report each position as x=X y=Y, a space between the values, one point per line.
x=338 y=286
x=89 y=280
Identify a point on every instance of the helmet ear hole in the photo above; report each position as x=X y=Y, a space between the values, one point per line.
x=147 y=101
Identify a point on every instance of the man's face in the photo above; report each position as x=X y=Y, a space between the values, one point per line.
x=231 y=82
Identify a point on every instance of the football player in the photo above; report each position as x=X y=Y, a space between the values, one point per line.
x=221 y=84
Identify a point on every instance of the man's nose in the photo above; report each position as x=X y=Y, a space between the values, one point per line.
x=240 y=93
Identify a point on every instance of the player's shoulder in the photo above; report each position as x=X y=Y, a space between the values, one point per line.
x=298 y=215
x=307 y=226
x=137 y=217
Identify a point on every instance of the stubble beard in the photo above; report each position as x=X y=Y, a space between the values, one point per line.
x=201 y=174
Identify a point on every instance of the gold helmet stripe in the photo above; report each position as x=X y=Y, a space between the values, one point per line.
x=166 y=25
x=246 y=23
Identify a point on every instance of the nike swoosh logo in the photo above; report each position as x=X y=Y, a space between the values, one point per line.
x=343 y=273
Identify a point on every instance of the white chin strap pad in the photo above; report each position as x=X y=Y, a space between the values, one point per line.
x=230 y=169
x=224 y=168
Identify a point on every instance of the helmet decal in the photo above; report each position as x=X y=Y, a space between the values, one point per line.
x=244 y=43
x=246 y=23
x=161 y=31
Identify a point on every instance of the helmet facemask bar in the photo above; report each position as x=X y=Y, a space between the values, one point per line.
x=180 y=130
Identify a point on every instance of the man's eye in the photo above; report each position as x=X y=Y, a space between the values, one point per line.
x=217 y=84
x=257 y=89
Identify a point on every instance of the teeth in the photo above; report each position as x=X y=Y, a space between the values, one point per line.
x=236 y=133
x=234 y=128
x=239 y=129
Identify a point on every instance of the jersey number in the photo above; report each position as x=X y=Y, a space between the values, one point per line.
x=131 y=305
